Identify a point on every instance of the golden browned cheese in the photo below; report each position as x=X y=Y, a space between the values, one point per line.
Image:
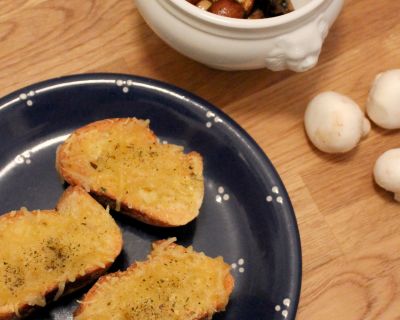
x=123 y=163
x=43 y=252
x=175 y=283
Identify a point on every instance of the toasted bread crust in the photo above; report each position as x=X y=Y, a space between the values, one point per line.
x=105 y=280
x=75 y=174
x=50 y=294
x=91 y=276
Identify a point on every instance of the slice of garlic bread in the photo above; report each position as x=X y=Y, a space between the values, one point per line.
x=121 y=162
x=175 y=283
x=46 y=254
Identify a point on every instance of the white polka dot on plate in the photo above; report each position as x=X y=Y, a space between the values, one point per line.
x=286 y=302
x=210 y=114
x=19 y=159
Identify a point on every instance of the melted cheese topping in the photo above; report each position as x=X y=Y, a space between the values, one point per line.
x=47 y=249
x=175 y=284
x=126 y=161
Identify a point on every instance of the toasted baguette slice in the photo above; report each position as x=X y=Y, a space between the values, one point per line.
x=122 y=163
x=46 y=254
x=175 y=283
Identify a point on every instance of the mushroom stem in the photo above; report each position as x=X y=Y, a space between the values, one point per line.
x=397 y=196
x=366 y=127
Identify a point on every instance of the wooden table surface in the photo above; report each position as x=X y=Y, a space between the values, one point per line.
x=350 y=228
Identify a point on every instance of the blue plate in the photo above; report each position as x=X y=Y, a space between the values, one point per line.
x=246 y=216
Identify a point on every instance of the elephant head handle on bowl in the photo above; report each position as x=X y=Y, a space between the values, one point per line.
x=299 y=50
x=292 y=41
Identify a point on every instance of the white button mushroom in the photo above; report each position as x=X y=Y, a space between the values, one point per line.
x=387 y=172
x=334 y=123
x=383 y=105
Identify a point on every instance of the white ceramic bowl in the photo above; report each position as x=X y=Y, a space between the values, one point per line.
x=291 y=41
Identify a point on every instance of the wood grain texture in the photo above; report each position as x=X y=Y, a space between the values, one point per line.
x=350 y=228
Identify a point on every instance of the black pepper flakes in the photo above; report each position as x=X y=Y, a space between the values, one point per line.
x=93 y=165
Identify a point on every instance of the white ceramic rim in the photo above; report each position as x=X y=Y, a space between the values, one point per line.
x=246 y=23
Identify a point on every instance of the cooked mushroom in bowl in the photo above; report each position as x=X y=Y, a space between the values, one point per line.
x=245 y=9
